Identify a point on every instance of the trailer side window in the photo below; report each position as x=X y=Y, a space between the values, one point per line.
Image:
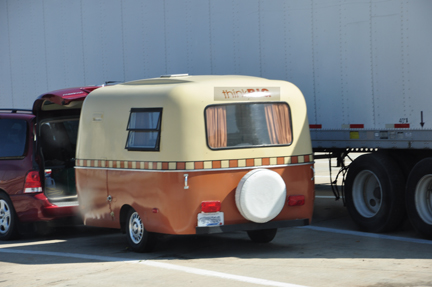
x=248 y=125
x=144 y=129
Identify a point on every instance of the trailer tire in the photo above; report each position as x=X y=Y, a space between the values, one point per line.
x=138 y=238
x=262 y=235
x=418 y=197
x=374 y=193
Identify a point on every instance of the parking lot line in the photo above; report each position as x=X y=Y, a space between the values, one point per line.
x=156 y=264
x=365 y=234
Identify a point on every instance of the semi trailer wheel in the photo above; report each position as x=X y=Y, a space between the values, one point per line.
x=138 y=238
x=374 y=192
x=418 y=197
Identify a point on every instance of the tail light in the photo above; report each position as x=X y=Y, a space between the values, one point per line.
x=32 y=182
x=210 y=206
x=296 y=200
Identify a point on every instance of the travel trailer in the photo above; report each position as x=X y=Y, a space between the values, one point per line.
x=195 y=155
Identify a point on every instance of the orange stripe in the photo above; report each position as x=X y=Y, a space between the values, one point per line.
x=233 y=163
x=216 y=164
x=250 y=162
x=165 y=165
x=199 y=165
x=181 y=165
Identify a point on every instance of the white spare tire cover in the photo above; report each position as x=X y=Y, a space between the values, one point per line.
x=260 y=195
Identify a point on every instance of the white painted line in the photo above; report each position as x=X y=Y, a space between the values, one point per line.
x=151 y=263
x=365 y=234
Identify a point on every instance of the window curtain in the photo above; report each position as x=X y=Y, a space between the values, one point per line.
x=216 y=126
x=278 y=123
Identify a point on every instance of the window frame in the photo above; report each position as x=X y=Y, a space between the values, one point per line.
x=158 y=129
x=248 y=146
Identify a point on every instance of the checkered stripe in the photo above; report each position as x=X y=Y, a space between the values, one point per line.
x=195 y=165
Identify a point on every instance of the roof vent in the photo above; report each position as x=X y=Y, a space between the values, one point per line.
x=174 y=75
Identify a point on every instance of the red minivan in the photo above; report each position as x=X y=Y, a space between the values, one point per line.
x=37 y=159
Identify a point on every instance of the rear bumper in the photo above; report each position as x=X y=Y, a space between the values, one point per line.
x=37 y=207
x=251 y=226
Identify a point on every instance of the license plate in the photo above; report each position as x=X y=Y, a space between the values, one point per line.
x=210 y=219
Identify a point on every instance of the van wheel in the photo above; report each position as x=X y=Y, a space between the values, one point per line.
x=263 y=235
x=8 y=219
x=139 y=239
x=419 y=197
x=374 y=191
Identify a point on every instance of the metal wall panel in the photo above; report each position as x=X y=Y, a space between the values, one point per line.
x=327 y=51
x=144 y=39
x=417 y=61
x=274 y=40
x=27 y=51
x=387 y=64
x=6 y=86
x=356 y=62
x=224 y=39
x=64 y=44
x=300 y=61
x=357 y=92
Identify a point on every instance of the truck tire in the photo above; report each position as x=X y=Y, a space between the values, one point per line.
x=138 y=238
x=418 y=197
x=8 y=219
x=374 y=193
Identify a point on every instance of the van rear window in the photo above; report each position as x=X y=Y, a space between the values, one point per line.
x=144 y=129
x=248 y=125
x=13 y=137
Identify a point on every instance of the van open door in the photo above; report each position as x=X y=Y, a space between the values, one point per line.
x=57 y=116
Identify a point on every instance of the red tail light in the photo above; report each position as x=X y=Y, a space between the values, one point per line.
x=210 y=206
x=32 y=182
x=296 y=200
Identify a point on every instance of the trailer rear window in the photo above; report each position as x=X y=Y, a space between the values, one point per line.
x=144 y=129
x=13 y=135
x=248 y=125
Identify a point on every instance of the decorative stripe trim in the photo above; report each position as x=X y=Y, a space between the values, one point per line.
x=192 y=165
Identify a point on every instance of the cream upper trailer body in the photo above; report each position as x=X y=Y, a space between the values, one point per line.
x=173 y=149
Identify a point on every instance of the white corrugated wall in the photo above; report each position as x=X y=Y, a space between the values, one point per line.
x=356 y=61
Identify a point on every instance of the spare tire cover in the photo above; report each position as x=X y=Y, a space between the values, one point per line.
x=260 y=195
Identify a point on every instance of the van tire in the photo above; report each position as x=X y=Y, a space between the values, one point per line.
x=418 y=197
x=8 y=219
x=138 y=238
x=263 y=235
x=374 y=193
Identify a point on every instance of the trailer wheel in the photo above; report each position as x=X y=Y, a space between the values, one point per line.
x=263 y=235
x=419 y=197
x=8 y=219
x=374 y=193
x=138 y=238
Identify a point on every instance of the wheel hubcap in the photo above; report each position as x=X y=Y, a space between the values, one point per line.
x=136 y=228
x=367 y=194
x=5 y=217
x=423 y=198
